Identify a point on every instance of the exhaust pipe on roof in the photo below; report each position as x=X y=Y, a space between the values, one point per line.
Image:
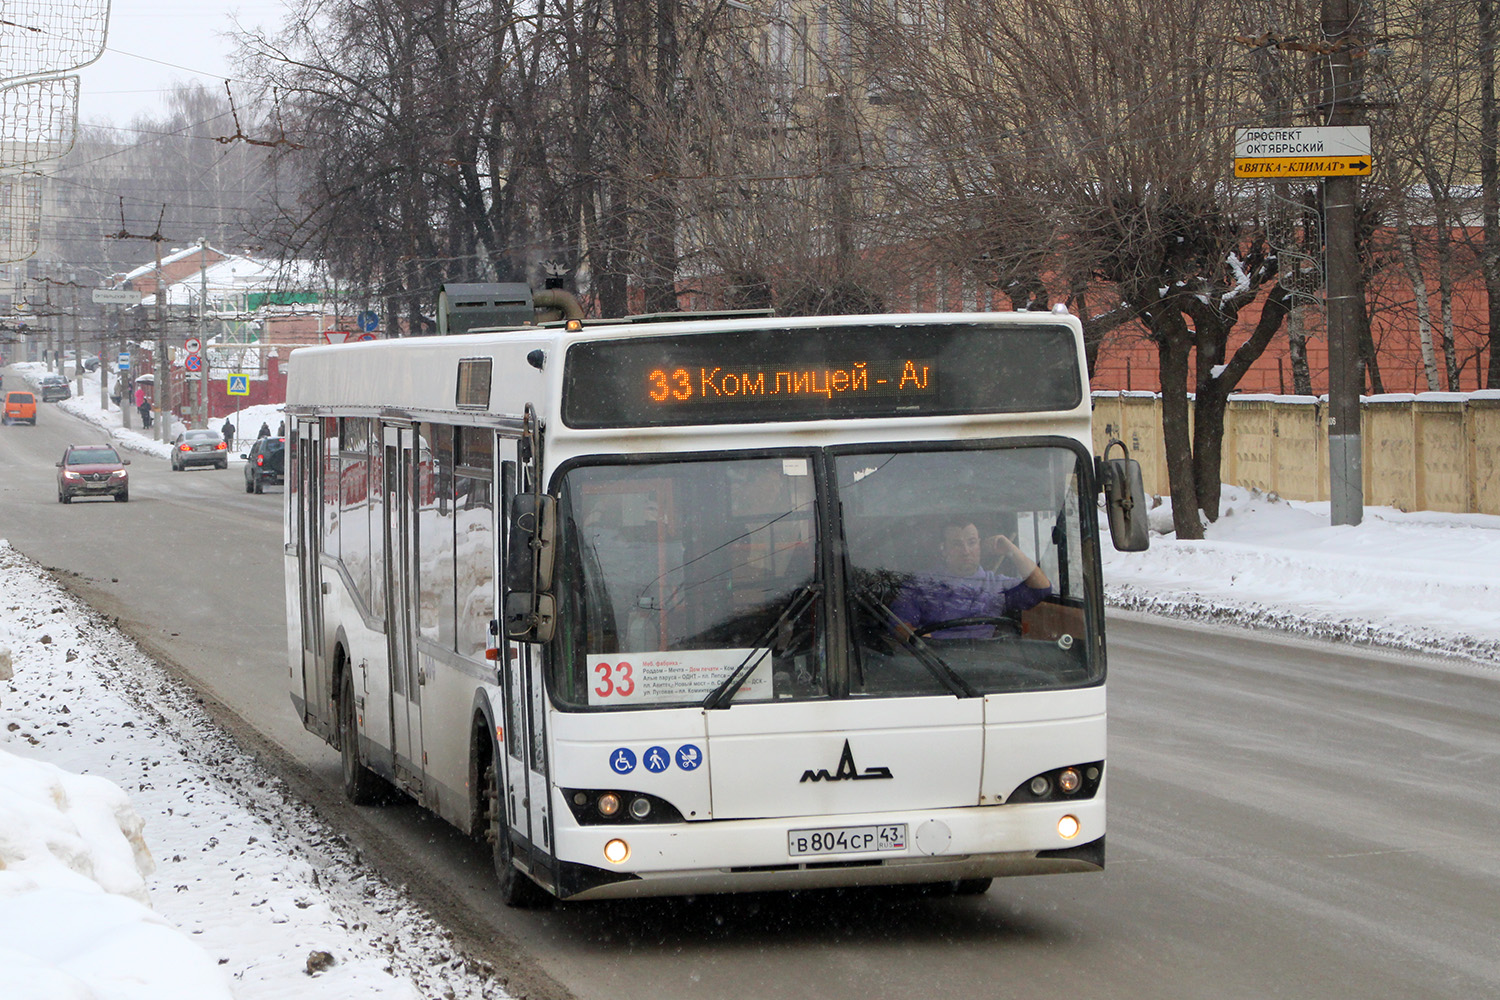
x=556 y=300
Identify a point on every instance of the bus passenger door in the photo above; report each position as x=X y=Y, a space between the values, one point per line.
x=526 y=788
x=309 y=445
x=401 y=602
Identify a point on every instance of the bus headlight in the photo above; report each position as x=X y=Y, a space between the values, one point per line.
x=610 y=807
x=1072 y=781
x=1067 y=828
x=616 y=851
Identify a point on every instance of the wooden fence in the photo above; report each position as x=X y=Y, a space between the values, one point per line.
x=1430 y=451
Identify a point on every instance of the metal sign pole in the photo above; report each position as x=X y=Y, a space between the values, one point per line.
x=1346 y=491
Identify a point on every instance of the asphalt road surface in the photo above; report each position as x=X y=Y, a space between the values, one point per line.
x=1286 y=818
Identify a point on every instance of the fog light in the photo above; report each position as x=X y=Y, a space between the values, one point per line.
x=1069 y=780
x=609 y=804
x=1068 y=827
x=1040 y=785
x=616 y=851
x=640 y=808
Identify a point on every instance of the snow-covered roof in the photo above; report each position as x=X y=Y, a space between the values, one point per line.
x=147 y=269
x=235 y=276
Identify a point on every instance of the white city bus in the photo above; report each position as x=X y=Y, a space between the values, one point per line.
x=624 y=597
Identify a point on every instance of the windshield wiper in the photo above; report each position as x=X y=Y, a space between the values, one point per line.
x=759 y=650
x=913 y=643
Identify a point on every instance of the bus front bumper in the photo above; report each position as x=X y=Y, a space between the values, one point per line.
x=754 y=855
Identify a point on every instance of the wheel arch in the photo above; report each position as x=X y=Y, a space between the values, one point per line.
x=485 y=736
x=340 y=662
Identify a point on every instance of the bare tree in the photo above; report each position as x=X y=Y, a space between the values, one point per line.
x=421 y=136
x=172 y=169
x=1081 y=153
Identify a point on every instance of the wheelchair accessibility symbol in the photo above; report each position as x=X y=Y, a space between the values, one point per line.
x=622 y=761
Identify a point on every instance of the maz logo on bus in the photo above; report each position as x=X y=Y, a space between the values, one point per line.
x=847 y=771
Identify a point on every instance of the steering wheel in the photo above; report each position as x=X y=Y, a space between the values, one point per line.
x=1009 y=623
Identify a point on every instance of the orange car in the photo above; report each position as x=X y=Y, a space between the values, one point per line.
x=19 y=407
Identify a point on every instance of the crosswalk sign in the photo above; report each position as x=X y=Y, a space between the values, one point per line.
x=239 y=385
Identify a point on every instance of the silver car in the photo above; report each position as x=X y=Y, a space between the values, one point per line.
x=200 y=447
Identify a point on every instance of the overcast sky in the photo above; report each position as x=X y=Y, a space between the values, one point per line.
x=154 y=44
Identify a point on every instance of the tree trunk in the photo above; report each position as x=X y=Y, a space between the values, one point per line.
x=1296 y=336
x=1211 y=398
x=1419 y=295
x=1367 y=358
x=1208 y=449
x=1489 y=180
x=1445 y=298
x=1173 y=342
x=661 y=196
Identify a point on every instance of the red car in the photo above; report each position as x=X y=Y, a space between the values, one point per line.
x=92 y=470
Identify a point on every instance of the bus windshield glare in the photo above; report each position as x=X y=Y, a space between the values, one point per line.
x=957 y=571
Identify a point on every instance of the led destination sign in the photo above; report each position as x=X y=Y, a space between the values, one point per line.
x=888 y=378
x=821 y=373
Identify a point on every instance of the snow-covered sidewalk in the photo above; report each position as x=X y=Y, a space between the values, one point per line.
x=209 y=880
x=1421 y=580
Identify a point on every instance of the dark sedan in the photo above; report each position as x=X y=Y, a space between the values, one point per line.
x=92 y=470
x=53 y=388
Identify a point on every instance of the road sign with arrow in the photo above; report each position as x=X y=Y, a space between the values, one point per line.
x=1283 y=153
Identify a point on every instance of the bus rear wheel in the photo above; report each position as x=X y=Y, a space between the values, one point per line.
x=516 y=887
x=362 y=786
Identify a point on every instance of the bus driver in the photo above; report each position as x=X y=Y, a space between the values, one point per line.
x=964 y=589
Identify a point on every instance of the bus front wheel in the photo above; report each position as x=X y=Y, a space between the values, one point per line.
x=516 y=887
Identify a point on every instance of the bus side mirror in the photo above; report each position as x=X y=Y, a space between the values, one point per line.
x=1124 y=501
x=530 y=609
x=532 y=543
x=530 y=618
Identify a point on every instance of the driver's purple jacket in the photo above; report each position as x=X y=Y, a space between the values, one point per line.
x=929 y=598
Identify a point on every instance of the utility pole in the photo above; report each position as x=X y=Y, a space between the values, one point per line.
x=202 y=400
x=158 y=386
x=1345 y=461
x=104 y=313
x=127 y=380
x=54 y=331
x=77 y=347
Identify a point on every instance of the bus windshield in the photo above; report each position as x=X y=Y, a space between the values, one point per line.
x=964 y=571
x=704 y=581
